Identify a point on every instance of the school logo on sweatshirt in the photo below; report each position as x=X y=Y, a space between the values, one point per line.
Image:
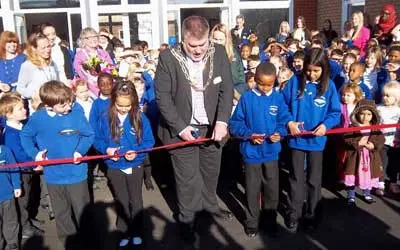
x=69 y=132
x=273 y=110
x=320 y=101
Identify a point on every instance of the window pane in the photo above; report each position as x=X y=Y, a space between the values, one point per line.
x=108 y=2
x=34 y=4
x=265 y=21
x=1 y=25
x=60 y=21
x=111 y=22
x=138 y=1
x=194 y=1
x=140 y=27
x=76 y=25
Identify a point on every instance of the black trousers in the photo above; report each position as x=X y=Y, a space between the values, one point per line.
x=390 y=161
x=196 y=171
x=129 y=200
x=261 y=175
x=8 y=223
x=305 y=183
x=24 y=201
x=68 y=200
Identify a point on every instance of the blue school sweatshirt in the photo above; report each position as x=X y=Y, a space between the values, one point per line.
x=61 y=135
x=260 y=113
x=313 y=110
x=9 y=178
x=383 y=77
x=100 y=106
x=12 y=140
x=127 y=141
x=9 y=69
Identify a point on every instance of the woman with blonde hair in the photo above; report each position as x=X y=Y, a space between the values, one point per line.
x=220 y=34
x=284 y=32
x=360 y=34
x=37 y=69
x=11 y=60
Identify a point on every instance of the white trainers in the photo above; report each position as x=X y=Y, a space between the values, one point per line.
x=124 y=242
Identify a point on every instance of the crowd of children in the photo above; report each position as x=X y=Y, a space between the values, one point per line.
x=290 y=90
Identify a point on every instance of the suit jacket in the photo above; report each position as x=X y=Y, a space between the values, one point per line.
x=239 y=40
x=174 y=98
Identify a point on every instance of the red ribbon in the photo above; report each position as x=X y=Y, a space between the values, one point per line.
x=186 y=143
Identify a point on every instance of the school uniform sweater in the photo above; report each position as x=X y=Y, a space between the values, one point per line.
x=9 y=178
x=61 y=135
x=99 y=106
x=367 y=94
x=127 y=141
x=313 y=110
x=260 y=113
x=12 y=140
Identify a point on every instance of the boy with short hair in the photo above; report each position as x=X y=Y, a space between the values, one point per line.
x=261 y=112
x=298 y=62
x=13 y=110
x=356 y=72
x=54 y=132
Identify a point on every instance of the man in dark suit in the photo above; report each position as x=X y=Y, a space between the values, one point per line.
x=240 y=33
x=194 y=91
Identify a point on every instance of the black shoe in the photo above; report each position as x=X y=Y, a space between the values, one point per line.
x=292 y=225
x=187 y=233
x=250 y=231
x=149 y=184
x=222 y=214
x=30 y=231
x=39 y=224
x=368 y=199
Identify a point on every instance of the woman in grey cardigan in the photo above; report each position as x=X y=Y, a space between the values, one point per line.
x=36 y=70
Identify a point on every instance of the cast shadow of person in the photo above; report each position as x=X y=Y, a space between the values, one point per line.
x=96 y=231
x=34 y=243
x=232 y=175
x=210 y=233
x=341 y=227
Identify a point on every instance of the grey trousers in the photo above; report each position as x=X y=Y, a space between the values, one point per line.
x=8 y=223
x=305 y=183
x=196 y=171
x=68 y=200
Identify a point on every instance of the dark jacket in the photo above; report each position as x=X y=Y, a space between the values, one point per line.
x=173 y=92
x=69 y=73
x=353 y=152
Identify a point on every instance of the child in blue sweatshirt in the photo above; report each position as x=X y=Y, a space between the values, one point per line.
x=105 y=83
x=261 y=112
x=54 y=132
x=100 y=105
x=12 y=108
x=314 y=104
x=125 y=129
x=10 y=187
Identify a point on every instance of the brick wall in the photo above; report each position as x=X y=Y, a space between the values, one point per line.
x=329 y=9
x=307 y=9
x=374 y=7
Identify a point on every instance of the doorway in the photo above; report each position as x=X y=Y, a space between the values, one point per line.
x=213 y=15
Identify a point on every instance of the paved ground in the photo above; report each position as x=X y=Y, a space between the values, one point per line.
x=375 y=226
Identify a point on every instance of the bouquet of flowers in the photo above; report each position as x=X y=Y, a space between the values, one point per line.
x=95 y=65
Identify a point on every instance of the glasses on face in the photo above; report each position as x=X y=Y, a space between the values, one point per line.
x=94 y=37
